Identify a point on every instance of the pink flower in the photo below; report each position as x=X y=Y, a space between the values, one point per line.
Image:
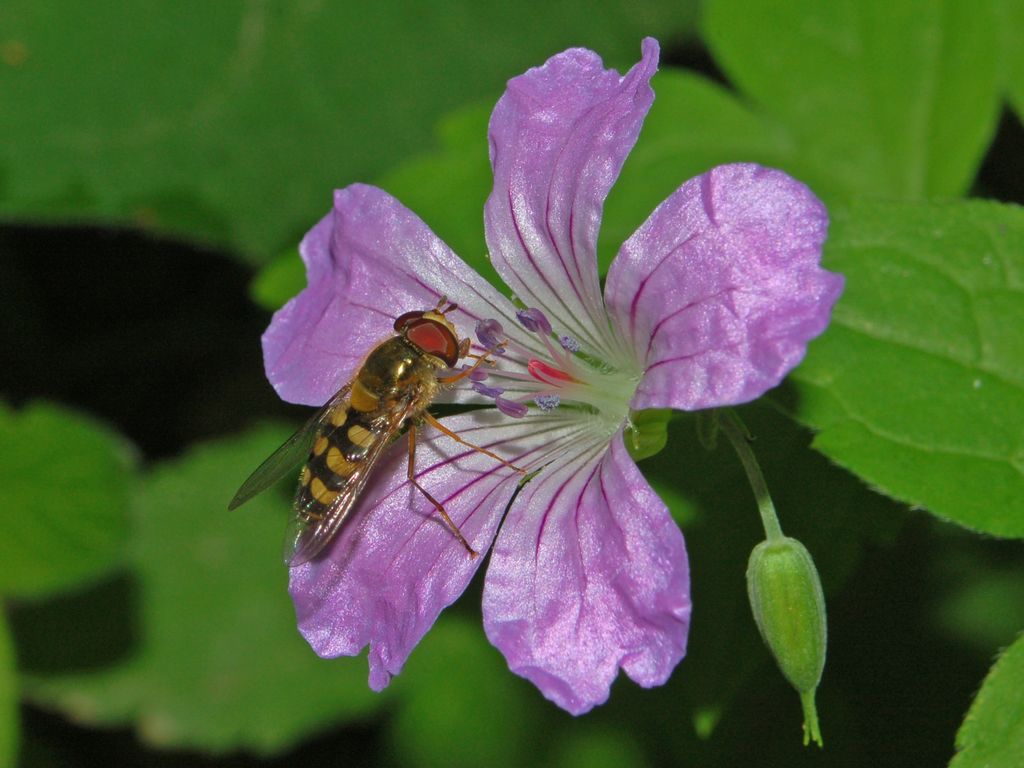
x=710 y=303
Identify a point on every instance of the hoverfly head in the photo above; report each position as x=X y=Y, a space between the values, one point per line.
x=432 y=332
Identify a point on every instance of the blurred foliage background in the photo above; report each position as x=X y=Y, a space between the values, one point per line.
x=159 y=162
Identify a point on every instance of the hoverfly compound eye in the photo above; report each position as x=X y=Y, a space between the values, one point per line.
x=402 y=321
x=434 y=338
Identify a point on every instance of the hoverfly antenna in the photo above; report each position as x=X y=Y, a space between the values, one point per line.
x=450 y=308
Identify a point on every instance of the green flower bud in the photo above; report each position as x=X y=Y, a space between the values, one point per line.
x=789 y=608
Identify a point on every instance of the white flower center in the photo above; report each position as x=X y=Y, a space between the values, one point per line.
x=563 y=376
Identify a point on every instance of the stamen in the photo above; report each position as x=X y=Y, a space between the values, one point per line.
x=534 y=320
x=569 y=344
x=463 y=371
x=486 y=391
x=491 y=335
x=547 y=402
x=551 y=375
x=512 y=375
x=510 y=408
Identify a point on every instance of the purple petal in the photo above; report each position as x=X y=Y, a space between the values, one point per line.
x=720 y=290
x=395 y=566
x=368 y=261
x=558 y=138
x=588 y=574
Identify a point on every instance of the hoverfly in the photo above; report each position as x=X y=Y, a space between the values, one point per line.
x=343 y=441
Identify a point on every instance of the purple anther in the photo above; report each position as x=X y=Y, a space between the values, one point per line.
x=535 y=321
x=486 y=391
x=510 y=407
x=490 y=334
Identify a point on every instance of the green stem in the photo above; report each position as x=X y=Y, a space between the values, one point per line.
x=738 y=435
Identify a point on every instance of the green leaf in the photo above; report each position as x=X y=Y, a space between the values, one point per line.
x=984 y=609
x=446 y=187
x=992 y=735
x=459 y=704
x=278 y=281
x=918 y=386
x=594 y=746
x=8 y=697
x=63 y=499
x=219 y=664
x=1012 y=26
x=877 y=93
x=233 y=121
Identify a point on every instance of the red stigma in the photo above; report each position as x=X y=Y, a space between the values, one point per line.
x=548 y=374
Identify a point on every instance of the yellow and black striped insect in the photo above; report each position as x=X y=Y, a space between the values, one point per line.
x=345 y=438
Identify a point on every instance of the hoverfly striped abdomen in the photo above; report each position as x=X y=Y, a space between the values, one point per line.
x=337 y=452
x=391 y=378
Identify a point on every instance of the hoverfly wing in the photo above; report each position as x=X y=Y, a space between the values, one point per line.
x=292 y=452
x=307 y=538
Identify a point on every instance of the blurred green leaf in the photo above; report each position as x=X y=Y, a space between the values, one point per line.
x=889 y=97
x=992 y=735
x=233 y=121
x=589 y=746
x=446 y=187
x=1012 y=26
x=460 y=706
x=8 y=697
x=63 y=499
x=220 y=664
x=278 y=281
x=918 y=386
x=986 y=608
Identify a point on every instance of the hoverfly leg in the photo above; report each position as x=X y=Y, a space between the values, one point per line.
x=459 y=439
x=437 y=505
x=480 y=360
